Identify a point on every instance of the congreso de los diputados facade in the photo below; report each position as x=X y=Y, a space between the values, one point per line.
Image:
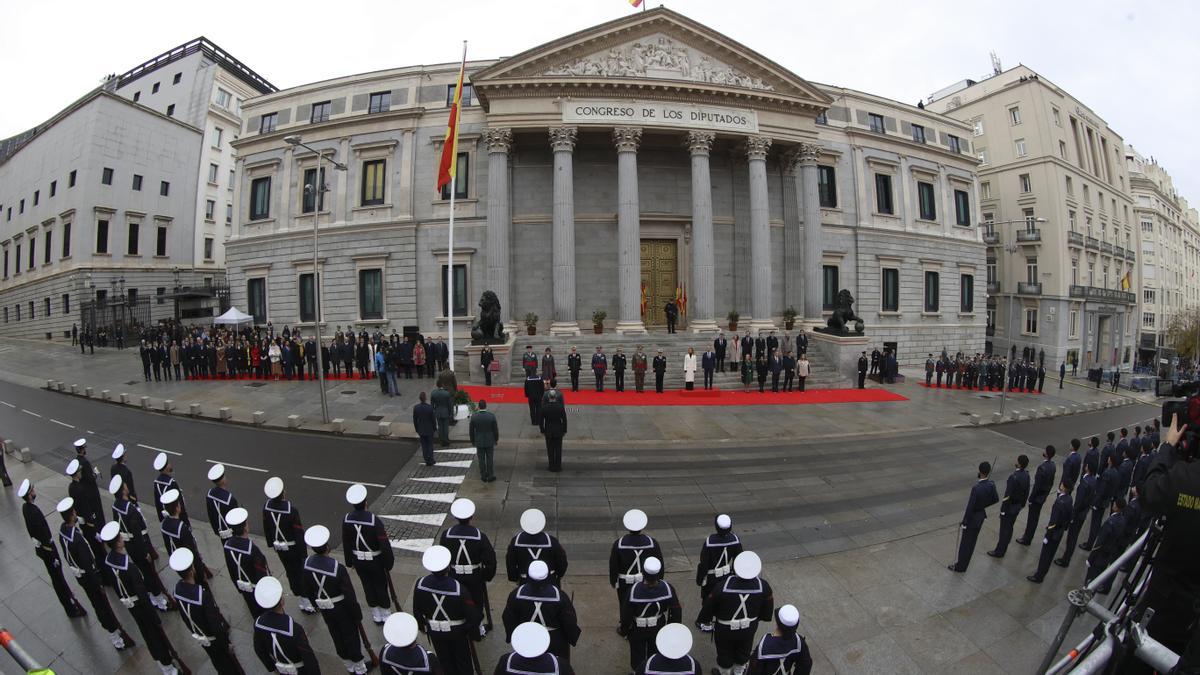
x=609 y=170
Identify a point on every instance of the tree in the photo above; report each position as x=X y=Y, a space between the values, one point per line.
x=1183 y=335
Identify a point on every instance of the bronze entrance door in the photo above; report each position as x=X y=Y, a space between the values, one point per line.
x=660 y=276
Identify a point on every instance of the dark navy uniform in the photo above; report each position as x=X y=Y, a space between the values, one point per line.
x=131 y=591
x=138 y=546
x=410 y=660
x=163 y=483
x=208 y=627
x=658 y=664
x=178 y=534
x=626 y=558
x=1016 y=491
x=645 y=611
x=599 y=369
x=1106 y=491
x=89 y=510
x=525 y=548
x=1060 y=520
x=219 y=502
x=285 y=533
x=546 y=664
x=122 y=470
x=1084 y=496
x=781 y=655
x=736 y=607
x=247 y=565
x=329 y=588
x=1071 y=467
x=1043 y=485
x=1107 y=548
x=983 y=495
x=282 y=645
x=544 y=603
x=447 y=613
x=43 y=546
x=574 y=364
x=83 y=564
x=473 y=561
x=716 y=560
x=369 y=551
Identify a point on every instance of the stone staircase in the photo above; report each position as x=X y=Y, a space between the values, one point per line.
x=821 y=373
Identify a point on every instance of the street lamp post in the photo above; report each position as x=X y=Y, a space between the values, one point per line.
x=318 y=191
x=1011 y=249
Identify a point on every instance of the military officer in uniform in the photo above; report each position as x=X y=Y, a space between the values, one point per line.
x=862 y=371
x=279 y=642
x=220 y=502
x=618 y=363
x=89 y=475
x=639 y=370
x=330 y=589
x=368 y=551
x=736 y=607
x=1085 y=494
x=716 y=557
x=84 y=565
x=1107 y=545
x=782 y=651
x=1016 y=490
x=628 y=553
x=473 y=559
x=671 y=656
x=534 y=543
x=120 y=468
x=599 y=367
x=553 y=425
x=652 y=603
x=929 y=368
x=284 y=531
x=402 y=655
x=131 y=591
x=164 y=482
x=983 y=495
x=540 y=601
x=177 y=533
x=530 y=655
x=574 y=365
x=1060 y=520
x=447 y=613
x=660 y=370
x=1043 y=482
x=245 y=561
x=202 y=616
x=87 y=506
x=128 y=515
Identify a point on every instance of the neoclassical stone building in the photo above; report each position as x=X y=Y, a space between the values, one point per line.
x=650 y=152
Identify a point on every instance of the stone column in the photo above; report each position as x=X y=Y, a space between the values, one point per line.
x=629 y=256
x=702 y=299
x=808 y=196
x=760 y=235
x=562 y=139
x=499 y=218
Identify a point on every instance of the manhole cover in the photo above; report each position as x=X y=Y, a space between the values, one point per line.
x=349 y=392
x=257 y=384
x=373 y=418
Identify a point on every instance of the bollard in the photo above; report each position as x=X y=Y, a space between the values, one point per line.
x=106 y=394
x=997 y=418
x=385 y=429
x=124 y=398
x=50 y=384
x=1014 y=415
x=260 y=417
x=89 y=392
x=194 y=409
x=293 y=421
x=168 y=405
x=339 y=425
x=1031 y=414
x=1062 y=410
x=975 y=421
x=1047 y=411
x=145 y=402
x=60 y=386
x=75 y=389
x=26 y=455
x=225 y=414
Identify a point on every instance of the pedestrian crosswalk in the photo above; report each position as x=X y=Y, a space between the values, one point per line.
x=417 y=509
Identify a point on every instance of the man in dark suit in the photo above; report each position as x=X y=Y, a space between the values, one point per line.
x=929 y=368
x=1072 y=464
x=720 y=347
x=599 y=367
x=983 y=495
x=801 y=342
x=554 y=427
x=747 y=345
x=789 y=371
x=876 y=356
x=660 y=370
x=574 y=364
x=1084 y=496
x=775 y=365
x=443 y=408
x=760 y=348
x=535 y=388
x=619 y=361
x=485 y=433
x=1108 y=544
x=425 y=424
x=1043 y=482
x=1016 y=490
x=708 y=363
x=671 y=311
x=772 y=343
x=1060 y=520
x=862 y=371
x=1062 y=373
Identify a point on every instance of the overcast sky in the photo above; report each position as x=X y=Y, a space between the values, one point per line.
x=1134 y=63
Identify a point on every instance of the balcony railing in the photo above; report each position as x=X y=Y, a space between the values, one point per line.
x=1119 y=251
x=1106 y=247
x=991 y=238
x=1103 y=294
x=1024 y=288
x=1130 y=256
x=1075 y=238
x=1093 y=243
x=993 y=288
x=1029 y=235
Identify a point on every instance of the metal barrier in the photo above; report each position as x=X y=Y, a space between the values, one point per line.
x=22 y=657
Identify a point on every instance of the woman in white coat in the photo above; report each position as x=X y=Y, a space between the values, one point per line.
x=689 y=369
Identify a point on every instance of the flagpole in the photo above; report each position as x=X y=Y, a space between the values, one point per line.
x=450 y=244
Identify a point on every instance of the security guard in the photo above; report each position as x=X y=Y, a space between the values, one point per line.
x=329 y=588
x=279 y=642
x=87 y=506
x=369 y=551
x=284 y=531
x=473 y=559
x=220 y=501
x=447 y=613
x=736 y=607
x=202 y=616
x=245 y=561
x=530 y=656
x=43 y=546
x=534 y=543
x=782 y=652
x=716 y=556
x=128 y=516
x=82 y=563
x=178 y=534
x=543 y=603
x=131 y=591
x=672 y=645
x=402 y=655
x=652 y=604
x=165 y=482
x=628 y=552
x=120 y=468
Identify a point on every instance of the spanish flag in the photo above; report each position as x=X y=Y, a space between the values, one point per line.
x=643 y=298
x=449 y=164
x=636 y=3
x=683 y=302
x=1127 y=280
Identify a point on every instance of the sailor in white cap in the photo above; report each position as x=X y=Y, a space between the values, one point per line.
x=245 y=560
x=402 y=655
x=202 y=616
x=330 y=589
x=716 y=557
x=284 y=531
x=43 y=546
x=178 y=534
x=164 y=482
x=447 y=613
x=473 y=558
x=628 y=552
x=83 y=564
x=87 y=507
x=652 y=603
x=672 y=643
x=91 y=473
x=121 y=468
x=368 y=550
x=530 y=655
x=219 y=501
x=131 y=591
x=783 y=650
x=279 y=642
x=128 y=515
x=534 y=543
x=542 y=602
x=736 y=607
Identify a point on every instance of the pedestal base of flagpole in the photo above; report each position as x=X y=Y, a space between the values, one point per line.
x=630 y=328
x=704 y=326
x=567 y=328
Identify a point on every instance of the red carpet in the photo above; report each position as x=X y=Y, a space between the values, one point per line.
x=516 y=395
x=983 y=389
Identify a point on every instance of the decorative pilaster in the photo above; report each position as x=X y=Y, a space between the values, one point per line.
x=562 y=140
x=499 y=218
x=629 y=257
x=760 y=235
x=805 y=163
x=702 y=300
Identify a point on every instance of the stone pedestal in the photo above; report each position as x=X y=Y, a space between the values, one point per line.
x=842 y=352
x=502 y=353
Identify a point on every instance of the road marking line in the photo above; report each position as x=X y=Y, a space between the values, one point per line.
x=417 y=545
x=91 y=432
x=444 y=497
x=8 y=404
x=454 y=480
x=69 y=426
x=435 y=519
x=151 y=447
x=237 y=466
x=343 y=482
x=458 y=451
x=30 y=412
x=457 y=464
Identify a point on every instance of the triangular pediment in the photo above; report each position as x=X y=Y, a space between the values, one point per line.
x=654 y=48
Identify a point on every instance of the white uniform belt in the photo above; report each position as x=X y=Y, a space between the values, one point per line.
x=286 y=669
x=444 y=626
x=245 y=586
x=719 y=572
x=328 y=603
x=736 y=624
x=630 y=578
x=646 y=621
x=204 y=640
x=366 y=555
x=466 y=569
x=76 y=571
x=225 y=533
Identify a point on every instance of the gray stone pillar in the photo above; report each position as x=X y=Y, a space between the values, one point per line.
x=499 y=218
x=629 y=255
x=760 y=235
x=702 y=297
x=562 y=139
x=814 y=244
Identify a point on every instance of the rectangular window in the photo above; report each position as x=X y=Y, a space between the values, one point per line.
x=320 y=112
x=1021 y=151
x=212 y=173
x=883 y=194
x=137 y=183
x=256 y=299
x=1062 y=149
x=17 y=307
x=160 y=241
x=962 y=208
x=380 y=101
x=1148 y=296
x=1074 y=271
x=267 y=124
x=1148 y=319
x=827 y=187
x=991 y=272
x=468 y=95
x=1074 y=329
x=932 y=291
x=6 y=263
x=461 y=178
x=71 y=179
x=32 y=252
x=210 y=209
x=37 y=197
x=66 y=303
x=17 y=258
x=137 y=95
x=918 y=133
x=260 y=198
x=983 y=156
x=53 y=188
x=154 y=89
x=66 y=244
x=47 y=247
x=21 y=208
x=131 y=247
x=1031 y=321
x=373 y=181
x=32 y=314
x=228 y=213
x=1030 y=219
x=875 y=122
x=1014 y=115
x=218 y=136
x=1026 y=185
x=829 y=286
x=160 y=295
x=460 y=291
x=955 y=144
x=164 y=189
x=223 y=98
x=1070 y=186
x=370 y=294
x=1031 y=270
x=101 y=236
x=890 y=293
x=46 y=307
x=1057 y=116
x=977 y=127
x=208 y=248
x=308 y=302
x=106 y=176
x=927 y=206
x=822 y=118
x=312 y=192
x=985 y=190
x=171 y=110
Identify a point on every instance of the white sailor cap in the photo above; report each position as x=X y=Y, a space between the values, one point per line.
x=119 y=451
x=724 y=522
x=436 y=558
x=160 y=461
x=538 y=570
x=23 y=489
x=788 y=615
x=531 y=640
x=400 y=629
x=462 y=508
x=267 y=592
x=356 y=494
x=747 y=565
x=169 y=497
x=81 y=442
x=182 y=559
x=114 y=485
x=652 y=566
x=110 y=530
x=635 y=520
x=317 y=535
x=273 y=487
x=674 y=641
x=236 y=516
x=216 y=472
x=72 y=467
x=533 y=521
x=65 y=504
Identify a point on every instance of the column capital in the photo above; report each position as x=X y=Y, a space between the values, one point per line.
x=498 y=139
x=804 y=153
x=757 y=147
x=627 y=139
x=700 y=142
x=563 y=138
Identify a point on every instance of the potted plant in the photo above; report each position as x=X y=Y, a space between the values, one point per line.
x=733 y=317
x=789 y=318
x=531 y=320
x=463 y=405
x=598 y=318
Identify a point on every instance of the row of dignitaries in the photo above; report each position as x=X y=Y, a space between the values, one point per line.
x=985 y=373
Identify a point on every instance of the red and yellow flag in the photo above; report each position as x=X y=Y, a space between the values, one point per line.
x=1127 y=280
x=643 y=298
x=449 y=164
x=636 y=3
x=683 y=302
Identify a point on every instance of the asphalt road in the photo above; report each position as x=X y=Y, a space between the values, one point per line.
x=316 y=469
x=1060 y=430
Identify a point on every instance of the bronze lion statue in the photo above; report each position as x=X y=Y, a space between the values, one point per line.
x=843 y=316
x=488 y=329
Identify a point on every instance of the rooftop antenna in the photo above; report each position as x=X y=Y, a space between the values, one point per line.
x=996 y=67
